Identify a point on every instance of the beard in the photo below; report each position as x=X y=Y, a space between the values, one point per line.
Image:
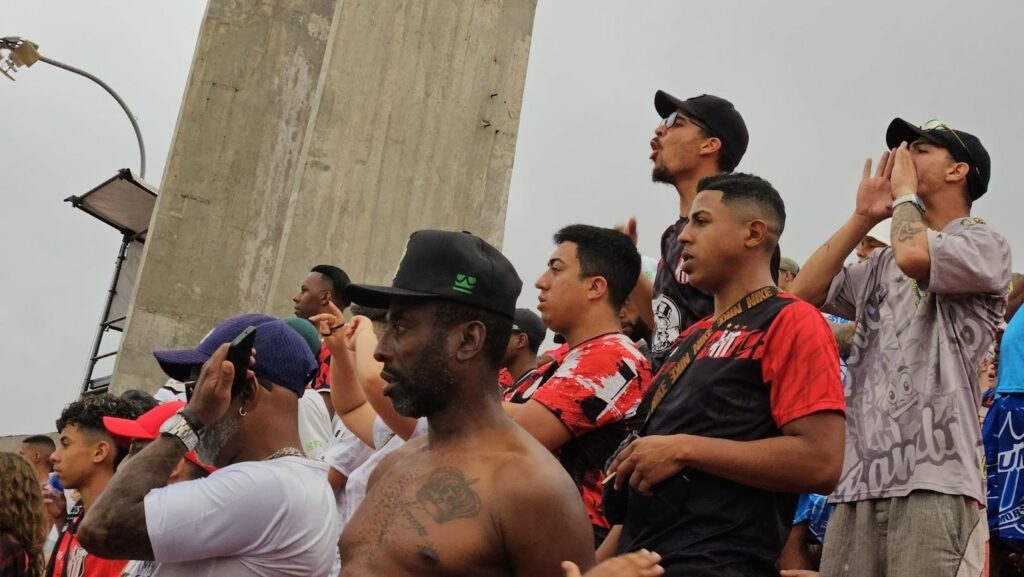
x=426 y=389
x=638 y=330
x=216 y=437
x=660 y=174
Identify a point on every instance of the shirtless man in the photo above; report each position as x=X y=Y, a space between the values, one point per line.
x=477 y=495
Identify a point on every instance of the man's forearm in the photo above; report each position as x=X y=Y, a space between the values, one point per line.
x=785 y=464
x=360 y=422
x=817 y=273
x=910 y=242
x=115 y=526
x=610 y=546
x=346 y=394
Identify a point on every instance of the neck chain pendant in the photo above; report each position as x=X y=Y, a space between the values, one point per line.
x=285 y=452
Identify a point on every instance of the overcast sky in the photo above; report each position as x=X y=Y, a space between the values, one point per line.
x=817 y=83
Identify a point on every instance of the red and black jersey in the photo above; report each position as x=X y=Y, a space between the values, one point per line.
x=522 y=389
x=768 y=366
x=322 y=380
x=70 y=559
x=504 y=380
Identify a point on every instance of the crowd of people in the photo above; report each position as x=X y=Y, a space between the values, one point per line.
x=727 y=412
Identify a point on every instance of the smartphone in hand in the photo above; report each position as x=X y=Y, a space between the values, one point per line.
x=239 y=353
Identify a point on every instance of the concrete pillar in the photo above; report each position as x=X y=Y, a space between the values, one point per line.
x=324 y=131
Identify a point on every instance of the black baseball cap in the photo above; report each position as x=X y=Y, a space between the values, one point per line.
x=962 y=146
x=717 y=114
x=529 y=323
x=454 y=266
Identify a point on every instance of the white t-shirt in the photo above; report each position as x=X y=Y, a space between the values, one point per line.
x=257 y=518
x=355 y=488
x=344 y=453
x=314 y=423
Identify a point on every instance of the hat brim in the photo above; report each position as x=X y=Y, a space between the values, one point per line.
x=666 y=104
x=379 y=297
x=194 y=459
x=900 y=131
x=178 y=364
x=123 y=431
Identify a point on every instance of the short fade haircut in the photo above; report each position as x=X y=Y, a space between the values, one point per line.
x=498 y=326
x=41 y=441
x=605 y=253
x=338 y=279
x=87 y=414
x=752 y=192
x=144 y=400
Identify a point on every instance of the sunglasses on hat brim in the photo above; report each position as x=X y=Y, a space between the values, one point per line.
x=938 y=125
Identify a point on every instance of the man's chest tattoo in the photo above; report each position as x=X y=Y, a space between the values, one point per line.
x=446 y=495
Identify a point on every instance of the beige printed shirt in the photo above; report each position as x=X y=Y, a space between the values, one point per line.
x=912 y=393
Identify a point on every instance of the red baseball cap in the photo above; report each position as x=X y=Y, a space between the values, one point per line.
x=146 y=427
x=194 y=459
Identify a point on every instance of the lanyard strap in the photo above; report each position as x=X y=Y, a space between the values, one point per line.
x=681 y=357
x=68 y=530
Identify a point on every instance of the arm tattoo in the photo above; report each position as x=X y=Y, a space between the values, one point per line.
x=907 y=222
x=115 y=526
x=445 y=496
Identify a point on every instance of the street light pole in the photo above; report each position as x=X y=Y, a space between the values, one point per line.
x=24 y=53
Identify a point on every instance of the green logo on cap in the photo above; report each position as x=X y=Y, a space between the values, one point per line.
x=464 y=283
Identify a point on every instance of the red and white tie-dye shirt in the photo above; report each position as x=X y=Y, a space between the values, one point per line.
x=595 y=392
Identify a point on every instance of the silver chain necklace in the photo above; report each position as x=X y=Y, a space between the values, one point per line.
x=286 y=452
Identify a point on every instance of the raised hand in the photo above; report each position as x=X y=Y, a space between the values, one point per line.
x=355 y=327
x=874 y=195
x=628 y=229
x=56 y=506
x=212 y=395
x=642 y=563
x=904 y=173
x=333 y=330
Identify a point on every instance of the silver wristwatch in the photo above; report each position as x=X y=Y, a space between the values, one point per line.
x=178 y=426
x=909 y=198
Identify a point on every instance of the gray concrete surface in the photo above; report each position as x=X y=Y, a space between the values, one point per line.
x=324 y=131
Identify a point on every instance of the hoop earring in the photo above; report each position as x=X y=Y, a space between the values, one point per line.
x=241 y=412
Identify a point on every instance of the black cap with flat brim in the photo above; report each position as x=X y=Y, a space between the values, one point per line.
x=967 y=148
x=717 y=114
x=379 y=297
x=453 y=266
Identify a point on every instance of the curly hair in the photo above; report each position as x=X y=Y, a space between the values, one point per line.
x=87 y=414
x=21 y=509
